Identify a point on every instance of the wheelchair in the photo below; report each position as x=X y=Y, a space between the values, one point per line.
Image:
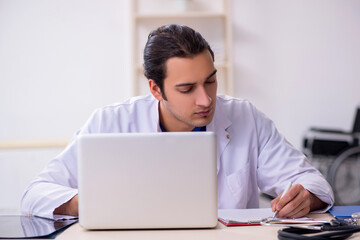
x=336 y=154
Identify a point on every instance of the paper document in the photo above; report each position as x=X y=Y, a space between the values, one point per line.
x=245 y=217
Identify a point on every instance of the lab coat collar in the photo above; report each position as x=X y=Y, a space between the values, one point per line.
x=220 y=124
x=154 y=114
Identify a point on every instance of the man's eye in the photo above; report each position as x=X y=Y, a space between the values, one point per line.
x=187 y=90
x=211 y=81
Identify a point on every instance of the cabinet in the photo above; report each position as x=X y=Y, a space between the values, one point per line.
x=210 y=18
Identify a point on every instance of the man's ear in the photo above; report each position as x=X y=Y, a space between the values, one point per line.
x=155 y=90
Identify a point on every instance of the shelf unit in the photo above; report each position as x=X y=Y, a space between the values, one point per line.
x=211 y=18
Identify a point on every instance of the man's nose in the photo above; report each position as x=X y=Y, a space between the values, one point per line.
x=203 y=98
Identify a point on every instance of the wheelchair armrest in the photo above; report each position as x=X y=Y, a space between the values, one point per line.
x=327 y=130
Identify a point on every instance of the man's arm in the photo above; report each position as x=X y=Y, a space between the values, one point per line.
x=71 y=207
x=297 y=202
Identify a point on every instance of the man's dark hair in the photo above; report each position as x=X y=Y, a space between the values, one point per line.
x=170 y=41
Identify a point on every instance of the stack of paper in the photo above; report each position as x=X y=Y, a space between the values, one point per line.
x=244 y=217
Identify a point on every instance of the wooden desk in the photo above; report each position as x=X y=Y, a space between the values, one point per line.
x=221 y=232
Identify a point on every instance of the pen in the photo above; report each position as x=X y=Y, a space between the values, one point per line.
x=285 y=191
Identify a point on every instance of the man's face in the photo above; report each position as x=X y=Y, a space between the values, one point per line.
x=190 y=88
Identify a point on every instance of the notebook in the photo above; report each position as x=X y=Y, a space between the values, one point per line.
x=147 y=180
x=343 y=212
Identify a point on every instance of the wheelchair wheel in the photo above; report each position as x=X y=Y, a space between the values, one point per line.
x=344 y=177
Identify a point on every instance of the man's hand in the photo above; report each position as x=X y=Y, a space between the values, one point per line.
x=297 y=202
x=69 y=208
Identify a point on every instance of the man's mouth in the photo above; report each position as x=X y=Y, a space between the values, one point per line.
x=204 y=113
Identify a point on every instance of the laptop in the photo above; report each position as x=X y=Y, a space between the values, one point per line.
x=147 y=180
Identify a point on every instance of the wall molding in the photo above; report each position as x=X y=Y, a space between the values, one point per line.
x=28 y=144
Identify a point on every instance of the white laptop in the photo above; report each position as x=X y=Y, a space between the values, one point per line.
x=147 y=180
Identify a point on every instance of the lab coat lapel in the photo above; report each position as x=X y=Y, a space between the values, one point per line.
x=220 y=125
x=154 y=116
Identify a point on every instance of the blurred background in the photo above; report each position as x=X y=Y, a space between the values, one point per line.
x=298 y=61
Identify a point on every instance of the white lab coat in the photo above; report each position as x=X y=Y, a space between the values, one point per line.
x=252 y=154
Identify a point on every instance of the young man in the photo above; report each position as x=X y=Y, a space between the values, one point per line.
x=252 y=154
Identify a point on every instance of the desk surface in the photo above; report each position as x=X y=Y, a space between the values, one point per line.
x=221 y=232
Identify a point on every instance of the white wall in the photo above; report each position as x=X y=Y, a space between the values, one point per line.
x=299 y=61
x=17 y=169
x=59 y=60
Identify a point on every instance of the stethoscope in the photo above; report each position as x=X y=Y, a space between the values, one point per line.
x=333 y=229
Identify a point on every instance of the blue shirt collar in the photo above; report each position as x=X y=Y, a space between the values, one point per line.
x=196 y=129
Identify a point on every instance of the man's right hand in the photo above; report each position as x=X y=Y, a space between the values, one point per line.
x=71 y=207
